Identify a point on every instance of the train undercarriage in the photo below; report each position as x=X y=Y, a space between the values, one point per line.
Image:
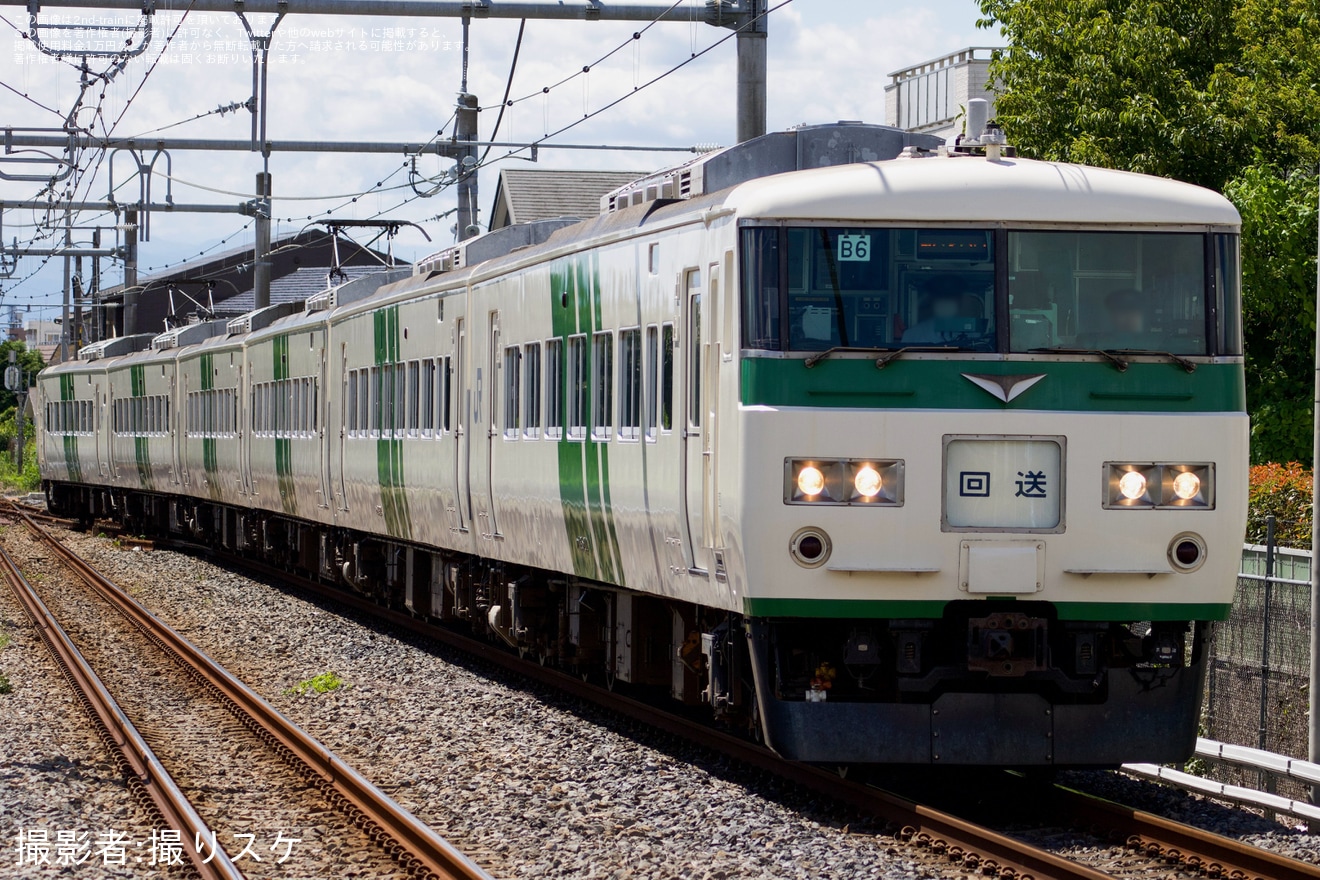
x=988 y=683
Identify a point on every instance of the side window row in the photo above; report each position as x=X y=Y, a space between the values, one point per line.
x=70 y=417
x=147 y=416
x=213 y=413
x=588 y=390
x=286 y=408
x=408 y=399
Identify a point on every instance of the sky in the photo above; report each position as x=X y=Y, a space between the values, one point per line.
x=338 y=78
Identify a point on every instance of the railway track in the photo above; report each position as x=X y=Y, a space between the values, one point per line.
x=186 y=721
x=973 y=846
x=1158 y=842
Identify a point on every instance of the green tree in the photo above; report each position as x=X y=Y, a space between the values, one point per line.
x=1216 y=93
x=28 y=359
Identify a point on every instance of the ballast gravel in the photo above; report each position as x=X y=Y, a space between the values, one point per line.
x=524 y=782
x=57 y=779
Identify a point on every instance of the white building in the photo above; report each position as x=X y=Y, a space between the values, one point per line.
x=41 y=333
x=931 y=97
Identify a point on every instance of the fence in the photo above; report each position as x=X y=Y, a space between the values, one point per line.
x=1257 y=687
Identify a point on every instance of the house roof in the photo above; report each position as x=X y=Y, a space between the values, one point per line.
x=523 y=195
x=297 y=286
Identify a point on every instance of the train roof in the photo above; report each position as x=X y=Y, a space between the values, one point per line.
x=960 y=187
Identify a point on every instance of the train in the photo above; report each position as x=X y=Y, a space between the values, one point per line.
x=877 y=449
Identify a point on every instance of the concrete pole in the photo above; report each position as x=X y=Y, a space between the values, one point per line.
x=465 y=132
x=261 y=258
x=98 y=315
x=131 y=295
x=64 y=321
x=1313 y=726
x=751 y=74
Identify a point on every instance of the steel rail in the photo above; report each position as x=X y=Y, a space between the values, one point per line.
x=1204 y=851
x=976 y=847
x=421 y=849
x=118 y=731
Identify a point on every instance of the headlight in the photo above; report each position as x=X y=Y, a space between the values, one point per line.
x=810 y=481
x=867 y=481
x=1132 y=485
x=843 y=481
x=1159 y=485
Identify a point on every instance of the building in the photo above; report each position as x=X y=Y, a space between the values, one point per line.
x=221 y=284
x=931 y=97
x=524 y=195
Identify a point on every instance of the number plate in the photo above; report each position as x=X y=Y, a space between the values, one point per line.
x=854 y=248
x=1003 y=484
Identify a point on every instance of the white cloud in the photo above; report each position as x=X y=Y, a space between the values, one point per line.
x=828 y=60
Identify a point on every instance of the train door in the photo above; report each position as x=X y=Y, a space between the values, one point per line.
x=245 y=429
x=321 y=416
x=98 y=427
x=492 y=420
x=462 y=452
x=185 y=426
x=344 y=397
x=695 y=452
x=710 y=425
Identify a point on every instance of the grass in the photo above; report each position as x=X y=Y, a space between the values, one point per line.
x=319 y=684
x=4 y=641
x=6 y=687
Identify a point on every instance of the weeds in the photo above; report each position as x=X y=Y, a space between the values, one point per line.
x=319 y=684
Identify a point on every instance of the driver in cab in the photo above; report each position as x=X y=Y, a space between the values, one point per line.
x=950 y=315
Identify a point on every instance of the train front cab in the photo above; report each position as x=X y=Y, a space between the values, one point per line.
x=978 y=548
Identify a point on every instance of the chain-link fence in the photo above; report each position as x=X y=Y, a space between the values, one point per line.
x=1257 y=688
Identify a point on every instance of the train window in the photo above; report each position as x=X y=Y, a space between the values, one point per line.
x=351 y=403
x=577 y=387
x=1121 y=291
x=387 y=400
x=652 y=377
x=667 y=344
x=414 y=396
x=373 y=401
x=364 y=401
x=1228 y=294
x=426 y=397
x=694 y=364
x=512 y=388
x=630 y=383
x=531 y=390
x=603 y=399
x=400 y=399
x=761 y=300
x=554 y=389
x=815 y=288
x=444 y=389
x=653 y=259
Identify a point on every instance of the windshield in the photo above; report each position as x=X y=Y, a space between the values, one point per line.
x=810 y=289
x=1120 y=291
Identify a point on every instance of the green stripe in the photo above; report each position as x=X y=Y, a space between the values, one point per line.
x=210 y=460
x=584 y=471
x=932 y=608
x=847 y=381
x=71 y=457
x=137 y=376
x=389 y=450
x=283 y=445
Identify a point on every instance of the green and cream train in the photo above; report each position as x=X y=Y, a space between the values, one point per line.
x=882 y=451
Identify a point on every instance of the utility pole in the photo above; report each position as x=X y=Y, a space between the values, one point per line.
x=131 y=293
x=1313 y=751
x=261 y=256
x=465 y=133
x=64 y=323
x=751 y=72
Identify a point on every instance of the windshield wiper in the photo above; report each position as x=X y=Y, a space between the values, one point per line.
x=1108 y=354
x=887 y=353
x=821 y=355
x=1183 y=362
x=896 y=353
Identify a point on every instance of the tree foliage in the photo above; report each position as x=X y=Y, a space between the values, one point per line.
x=28 y=359
x=1215 y=93
x=1284 y=492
